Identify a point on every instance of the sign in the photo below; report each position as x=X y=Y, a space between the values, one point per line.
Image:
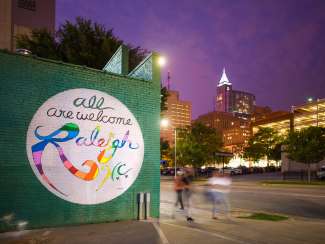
x=85 y=146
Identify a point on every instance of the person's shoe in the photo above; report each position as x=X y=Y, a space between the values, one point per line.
x=181 y=208
x=214 y=217
x=189 y=219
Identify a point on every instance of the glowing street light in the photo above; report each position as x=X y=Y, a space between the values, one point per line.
x=164 y=123
x=162 y=61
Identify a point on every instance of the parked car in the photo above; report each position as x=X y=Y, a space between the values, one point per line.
x=168 y=171
x=231 y=171
x=321 y=173
x=244 y=170
x=238 y=171
x=205 y=171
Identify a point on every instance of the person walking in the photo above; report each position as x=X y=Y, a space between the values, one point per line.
x=179 y=187
x=187 y=180
x=219 y=187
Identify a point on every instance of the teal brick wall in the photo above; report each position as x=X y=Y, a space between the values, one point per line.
x=26 y=83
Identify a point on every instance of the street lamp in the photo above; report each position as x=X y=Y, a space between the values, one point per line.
x=165 y=123
x=175 y=131
x=161 y=61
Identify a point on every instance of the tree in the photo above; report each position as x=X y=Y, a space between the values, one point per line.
x=164 y=95
x=82 y=43
x=307 y=146
x=165 y=152
x=265 y=143
x=254 y=151
x=275 y=152
x=42 y=43
x=197 y=145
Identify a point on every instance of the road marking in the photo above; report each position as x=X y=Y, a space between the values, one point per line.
x=281 y=193
x=208 y=232
x=266 y=192
x=161 y=234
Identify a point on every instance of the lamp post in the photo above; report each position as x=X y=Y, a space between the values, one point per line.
x=175 y=131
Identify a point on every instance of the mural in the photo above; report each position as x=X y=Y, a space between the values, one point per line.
x=85 y=146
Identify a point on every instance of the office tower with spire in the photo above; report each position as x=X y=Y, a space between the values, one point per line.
x=240 y=103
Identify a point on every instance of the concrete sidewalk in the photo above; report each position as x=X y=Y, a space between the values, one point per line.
x=238 y=230
x=123 y=232
x=177 y=230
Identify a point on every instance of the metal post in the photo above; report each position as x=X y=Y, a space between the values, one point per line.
x=175 y=149
x=147 y=205
x=317 y=113
x=140 y=205
x=223 y=165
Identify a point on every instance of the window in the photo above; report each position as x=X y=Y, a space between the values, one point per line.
x=27 y=4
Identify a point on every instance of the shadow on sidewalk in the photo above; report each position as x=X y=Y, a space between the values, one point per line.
x=119 y=232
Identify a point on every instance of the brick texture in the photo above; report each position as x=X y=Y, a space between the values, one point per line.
x=26 y=83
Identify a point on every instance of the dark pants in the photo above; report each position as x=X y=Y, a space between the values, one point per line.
x=179 y=198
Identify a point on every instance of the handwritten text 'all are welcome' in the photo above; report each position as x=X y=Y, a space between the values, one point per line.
x=91 y=103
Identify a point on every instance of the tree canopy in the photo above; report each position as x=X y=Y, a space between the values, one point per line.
x=306 y=146
x=197 y=145
x=265 y=143
x=84 y=43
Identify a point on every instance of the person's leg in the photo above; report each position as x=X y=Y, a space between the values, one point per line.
x=179 y=199
x=215 y=202
x=223 y=198
x=188 y=194
x=227 y=205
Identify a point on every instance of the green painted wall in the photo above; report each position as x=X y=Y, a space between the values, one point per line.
x=26 y=83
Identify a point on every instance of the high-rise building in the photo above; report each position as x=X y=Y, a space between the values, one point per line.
x=21 y=16
x=179 y=115
x=240 y=103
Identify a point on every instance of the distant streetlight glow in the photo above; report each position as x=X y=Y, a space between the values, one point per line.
x=162 y=61
x=309 y=99
x=164 y=123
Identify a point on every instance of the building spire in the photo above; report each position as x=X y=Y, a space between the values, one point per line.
x=168 y=81
x=224 y=79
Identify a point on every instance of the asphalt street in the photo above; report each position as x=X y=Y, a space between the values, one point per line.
x=251 y=195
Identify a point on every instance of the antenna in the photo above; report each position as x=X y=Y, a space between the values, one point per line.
x=168 y=81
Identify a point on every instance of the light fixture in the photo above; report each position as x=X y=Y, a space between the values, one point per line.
x=164 y=123
x=162 y=61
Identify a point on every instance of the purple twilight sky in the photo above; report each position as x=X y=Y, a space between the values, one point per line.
x=272 y=48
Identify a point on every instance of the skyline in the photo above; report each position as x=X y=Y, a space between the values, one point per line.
x=269 y=48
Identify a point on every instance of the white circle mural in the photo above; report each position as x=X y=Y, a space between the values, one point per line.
x=85 y=146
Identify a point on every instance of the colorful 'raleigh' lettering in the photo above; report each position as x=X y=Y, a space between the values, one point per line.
x=38 y=148
x=110 y=147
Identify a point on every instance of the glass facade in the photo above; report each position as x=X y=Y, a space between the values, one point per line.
x=309 y=114
x=302 y=116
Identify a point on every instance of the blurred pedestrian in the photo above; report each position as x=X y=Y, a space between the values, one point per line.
x=219 y=187
x=188 y=190
x=179 y=187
